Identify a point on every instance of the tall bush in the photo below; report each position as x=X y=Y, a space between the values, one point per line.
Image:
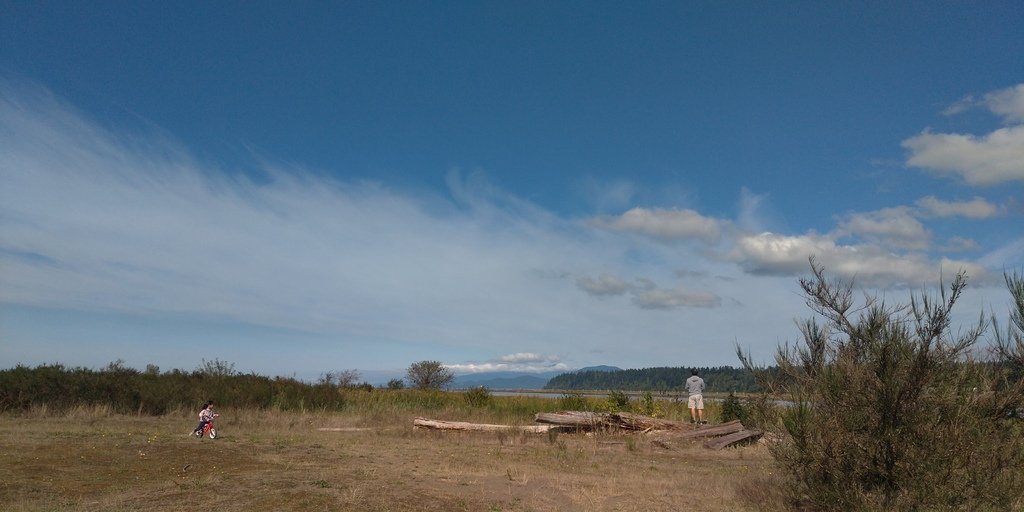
x=890 y=410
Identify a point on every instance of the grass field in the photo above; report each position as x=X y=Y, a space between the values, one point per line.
x=89 y=459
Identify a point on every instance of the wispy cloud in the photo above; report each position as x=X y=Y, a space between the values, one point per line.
x=647 y=295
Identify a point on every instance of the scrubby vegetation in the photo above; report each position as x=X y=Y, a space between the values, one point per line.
x=123 y=390
x=893 y=409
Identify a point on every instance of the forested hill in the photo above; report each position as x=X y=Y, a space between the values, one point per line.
x=721 y=379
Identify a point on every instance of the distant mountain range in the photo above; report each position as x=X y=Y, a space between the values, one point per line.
x=517 y=380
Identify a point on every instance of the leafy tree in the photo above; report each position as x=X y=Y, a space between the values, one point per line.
x=890 y=411
x=429 y=375
x=342 y=379
x=396 y=384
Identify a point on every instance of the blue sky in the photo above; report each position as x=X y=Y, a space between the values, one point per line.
x=301 y=188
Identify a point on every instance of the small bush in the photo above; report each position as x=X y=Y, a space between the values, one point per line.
x=478 y=397
x=617 y=401
x=733 y=409
x=648 y=406
x=573 y=402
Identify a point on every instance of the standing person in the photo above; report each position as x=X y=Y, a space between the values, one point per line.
x=205 y=415
x=695 y=387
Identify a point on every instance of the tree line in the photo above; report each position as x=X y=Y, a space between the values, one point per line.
x=127 y=390
x=662 y=379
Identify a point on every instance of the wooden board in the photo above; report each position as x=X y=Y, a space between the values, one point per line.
x=721 y=442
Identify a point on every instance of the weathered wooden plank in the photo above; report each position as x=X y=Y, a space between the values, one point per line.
x=711 y=431
x=721 y=442
x=481 y=427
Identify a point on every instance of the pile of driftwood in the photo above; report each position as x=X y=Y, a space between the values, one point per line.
x=665 y=431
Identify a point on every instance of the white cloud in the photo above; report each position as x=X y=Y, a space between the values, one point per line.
x=528 y=362
x=960 y=244
x=665 y=224
x=1008 y=103
x=977 y=208
x=869 y=265
x=528 y=357
x=891 y=227
x=989 y=160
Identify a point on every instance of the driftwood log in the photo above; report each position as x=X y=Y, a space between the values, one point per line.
x=629 y=421
x=576 y=419
x=668 y=431
x=584 y=420
x=480 y=427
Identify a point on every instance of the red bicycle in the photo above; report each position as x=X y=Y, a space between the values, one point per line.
x=208 y=429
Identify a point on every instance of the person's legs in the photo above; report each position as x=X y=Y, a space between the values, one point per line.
x=692 y=403
x=699 y=405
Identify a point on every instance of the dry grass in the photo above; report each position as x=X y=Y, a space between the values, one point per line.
x=88 y=459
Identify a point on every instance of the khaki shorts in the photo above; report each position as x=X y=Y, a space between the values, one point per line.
x=696 y=401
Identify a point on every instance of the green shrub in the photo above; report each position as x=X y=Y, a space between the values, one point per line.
x=648 y=406
x=617 y=401
x=478 y=397
x=573 y=402
x=733 y=409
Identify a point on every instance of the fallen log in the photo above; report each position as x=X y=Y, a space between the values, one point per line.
x=480 y=427
x=586 y=420
x=575 y=419
x=721 y=442
x=630 y=421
